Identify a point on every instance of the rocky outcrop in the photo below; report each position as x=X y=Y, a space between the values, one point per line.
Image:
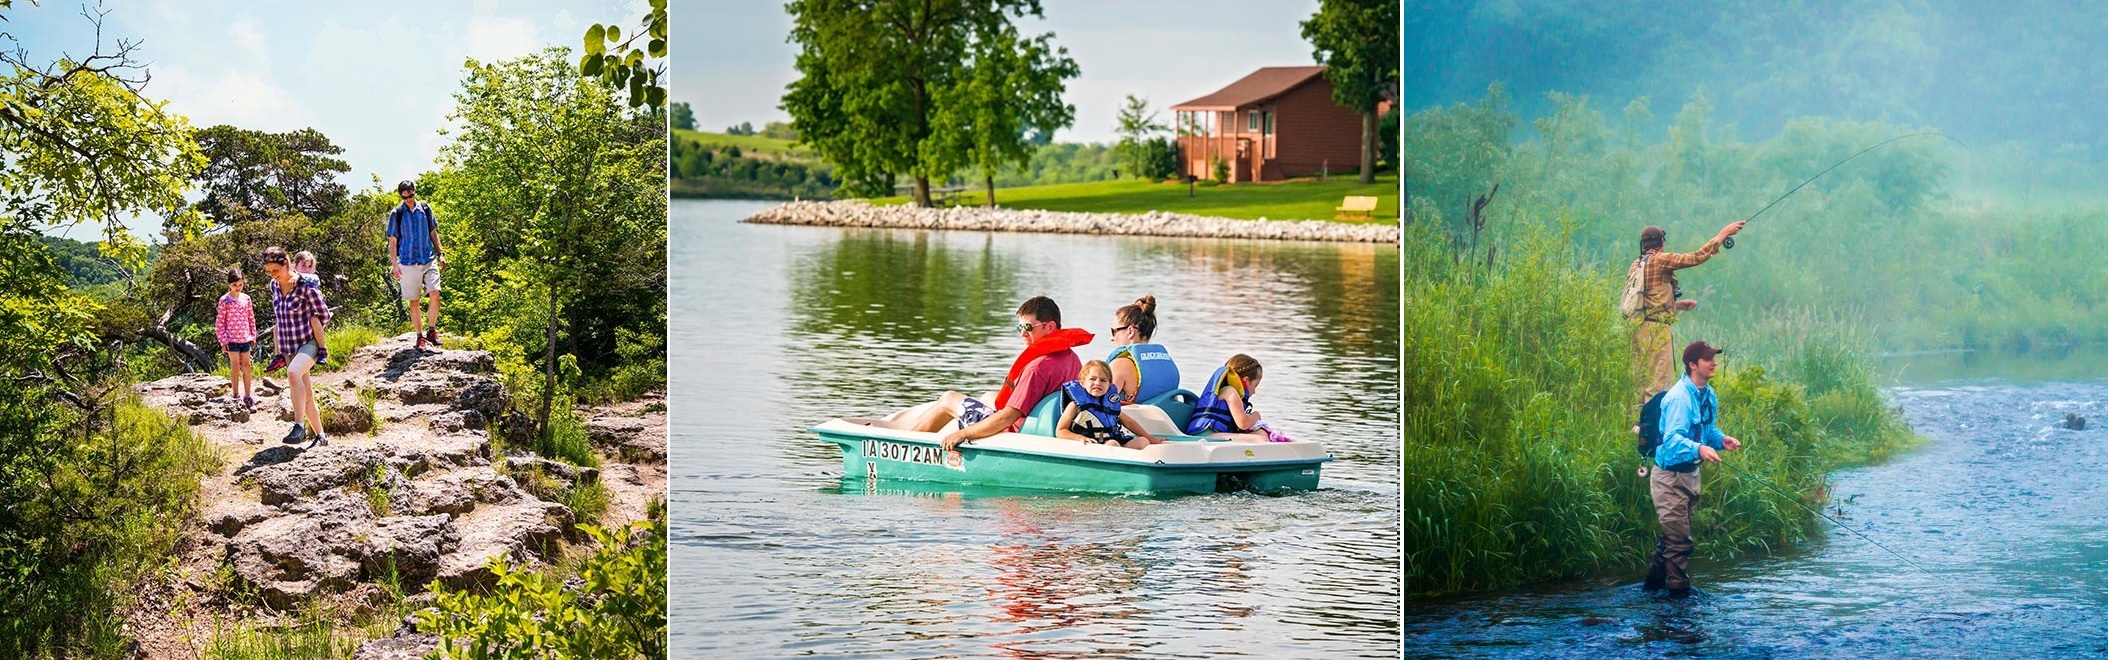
x=408 y=492
x=858 y=213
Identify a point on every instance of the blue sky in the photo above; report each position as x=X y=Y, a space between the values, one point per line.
x=731 y=62
x=377 y=77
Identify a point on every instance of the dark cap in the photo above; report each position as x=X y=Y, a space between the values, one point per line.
x=410 y=186
x=1699 y=350
x=1652 y=237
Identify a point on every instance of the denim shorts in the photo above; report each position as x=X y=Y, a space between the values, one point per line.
x=238 y=347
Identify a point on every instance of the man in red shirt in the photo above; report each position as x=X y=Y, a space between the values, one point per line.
x=1047 y=362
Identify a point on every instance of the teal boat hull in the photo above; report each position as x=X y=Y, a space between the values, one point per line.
x=1017 y=461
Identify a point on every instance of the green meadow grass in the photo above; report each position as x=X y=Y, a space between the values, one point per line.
x=1289 y=200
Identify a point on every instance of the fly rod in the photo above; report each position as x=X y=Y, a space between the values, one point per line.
x=1730 y=242
x=1797 y=501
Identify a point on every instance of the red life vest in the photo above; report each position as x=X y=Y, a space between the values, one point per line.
x=1055 y=342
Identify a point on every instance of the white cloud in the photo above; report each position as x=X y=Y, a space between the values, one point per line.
x=250 y=41
x=491 y=39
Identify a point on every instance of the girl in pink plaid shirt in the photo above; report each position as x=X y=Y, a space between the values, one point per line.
x=236 y=329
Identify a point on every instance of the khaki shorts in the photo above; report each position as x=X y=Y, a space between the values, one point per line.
x=420 y=276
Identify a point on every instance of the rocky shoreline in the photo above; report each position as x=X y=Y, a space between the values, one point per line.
x=858 y=213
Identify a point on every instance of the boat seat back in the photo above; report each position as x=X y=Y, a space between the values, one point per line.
x=1045 y=416
x=1176 y=404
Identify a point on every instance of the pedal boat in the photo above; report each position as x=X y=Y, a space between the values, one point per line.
x=873 y=449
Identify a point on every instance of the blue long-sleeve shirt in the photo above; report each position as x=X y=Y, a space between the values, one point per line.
x=1688 y=416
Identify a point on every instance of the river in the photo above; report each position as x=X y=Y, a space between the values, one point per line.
x=774 y=329
x=2003 y=505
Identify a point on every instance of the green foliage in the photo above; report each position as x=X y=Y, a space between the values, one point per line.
x=557 y=231
x=703 y=166
x=83 y=262
x=917 y=88
x=1357 y=41
x=683 y=117
x=1520 y=386
x=627 y=64
x=1220 y=168
x=1298 y=200
x=82 y=145
x=780 y=131
x=1457 y=153
x=249 y=174
x=619 y=613
x=1135 y=148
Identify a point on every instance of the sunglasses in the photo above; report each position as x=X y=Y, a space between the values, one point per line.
x=1117 y=330
x=1027 y=327
x=407 y=195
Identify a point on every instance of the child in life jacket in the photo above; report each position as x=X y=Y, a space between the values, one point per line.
x=1093 y=411
x=1225 y=407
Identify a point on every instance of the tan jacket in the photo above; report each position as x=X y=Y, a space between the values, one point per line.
x=1659 y=279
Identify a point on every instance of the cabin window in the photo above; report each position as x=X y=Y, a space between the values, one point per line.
x=1269 y=122
x=1251 y=121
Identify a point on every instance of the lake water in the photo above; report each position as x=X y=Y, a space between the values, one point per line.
x=774 y=329
x=2003 y=505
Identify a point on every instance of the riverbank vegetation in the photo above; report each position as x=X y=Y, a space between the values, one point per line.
x=1307 y=199
x=1520 y=386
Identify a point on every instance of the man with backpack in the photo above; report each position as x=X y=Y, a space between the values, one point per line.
x=414 y=259
x=1681 y=436
x=1653 y=298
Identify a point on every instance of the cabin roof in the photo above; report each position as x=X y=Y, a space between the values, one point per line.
x=1259 y=86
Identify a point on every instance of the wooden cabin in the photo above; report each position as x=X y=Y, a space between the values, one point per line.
x=1277 y=123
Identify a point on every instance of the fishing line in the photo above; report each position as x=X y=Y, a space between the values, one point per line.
x=1797 y=501
x=1730 y=242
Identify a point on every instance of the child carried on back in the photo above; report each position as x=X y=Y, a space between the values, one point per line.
x=1093 y=411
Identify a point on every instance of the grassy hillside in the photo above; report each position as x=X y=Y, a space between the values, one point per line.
x=717 y=165
x=755 y=145
x=1292 y=200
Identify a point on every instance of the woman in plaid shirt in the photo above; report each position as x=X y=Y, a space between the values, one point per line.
x=301 y=314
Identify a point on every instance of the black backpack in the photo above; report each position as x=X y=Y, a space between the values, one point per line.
x=1650 y=436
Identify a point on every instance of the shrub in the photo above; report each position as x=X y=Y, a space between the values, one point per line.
x=619 y=612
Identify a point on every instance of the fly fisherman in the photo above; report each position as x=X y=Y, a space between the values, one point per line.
x=1653 y=298
x=1688 y=436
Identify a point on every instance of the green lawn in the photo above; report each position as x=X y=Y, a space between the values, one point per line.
x=748 y=144
x=1297 y=200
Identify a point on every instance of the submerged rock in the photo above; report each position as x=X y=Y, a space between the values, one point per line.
x=2074 y=422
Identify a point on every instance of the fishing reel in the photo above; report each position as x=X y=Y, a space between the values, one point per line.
x=1728 y=243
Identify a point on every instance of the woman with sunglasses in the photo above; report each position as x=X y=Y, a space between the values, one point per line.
x=1141 y=370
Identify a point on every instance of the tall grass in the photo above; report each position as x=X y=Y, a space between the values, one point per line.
x=1519 y=399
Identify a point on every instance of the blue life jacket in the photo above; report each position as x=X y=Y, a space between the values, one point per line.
x=1212 y=413
x=1105 y=410
x=1156 y=373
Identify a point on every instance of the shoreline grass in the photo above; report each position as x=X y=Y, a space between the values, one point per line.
x=1290 y=200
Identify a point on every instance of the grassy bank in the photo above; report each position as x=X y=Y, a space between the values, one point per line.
x=1518 y=460
x=1293 y=200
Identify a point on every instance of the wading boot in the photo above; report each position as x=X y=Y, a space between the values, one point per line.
x=1657 y=568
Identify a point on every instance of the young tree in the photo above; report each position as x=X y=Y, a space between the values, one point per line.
x=1137 y=124
x=875 y=77
x=1357 y=41
x=553 y=196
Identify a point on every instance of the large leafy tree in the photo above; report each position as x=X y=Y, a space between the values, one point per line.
x=553 y=206
x=888 y=87
x=251 y=172
x=1357 y=41
x=80 y=143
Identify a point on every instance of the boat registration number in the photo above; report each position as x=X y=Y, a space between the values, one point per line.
x=907 y=453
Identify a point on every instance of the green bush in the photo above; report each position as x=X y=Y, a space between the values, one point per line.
x=619 y=612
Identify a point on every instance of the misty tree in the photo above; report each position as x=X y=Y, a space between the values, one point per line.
x=876 y=79
x=683 y=117
x=1357 y=41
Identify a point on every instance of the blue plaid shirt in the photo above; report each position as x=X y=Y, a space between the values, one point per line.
x=412 y=230
x=293 y=311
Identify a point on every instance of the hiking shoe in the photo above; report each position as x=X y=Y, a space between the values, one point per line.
x=319 y=441
x=298 y=433
x=277 y=363
x=432 y=335
x=420 y=343
x=250 y=402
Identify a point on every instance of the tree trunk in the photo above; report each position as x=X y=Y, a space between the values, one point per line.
x=922 y=191
x=1368 y=146
x=990 y=178
x=549 y=358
